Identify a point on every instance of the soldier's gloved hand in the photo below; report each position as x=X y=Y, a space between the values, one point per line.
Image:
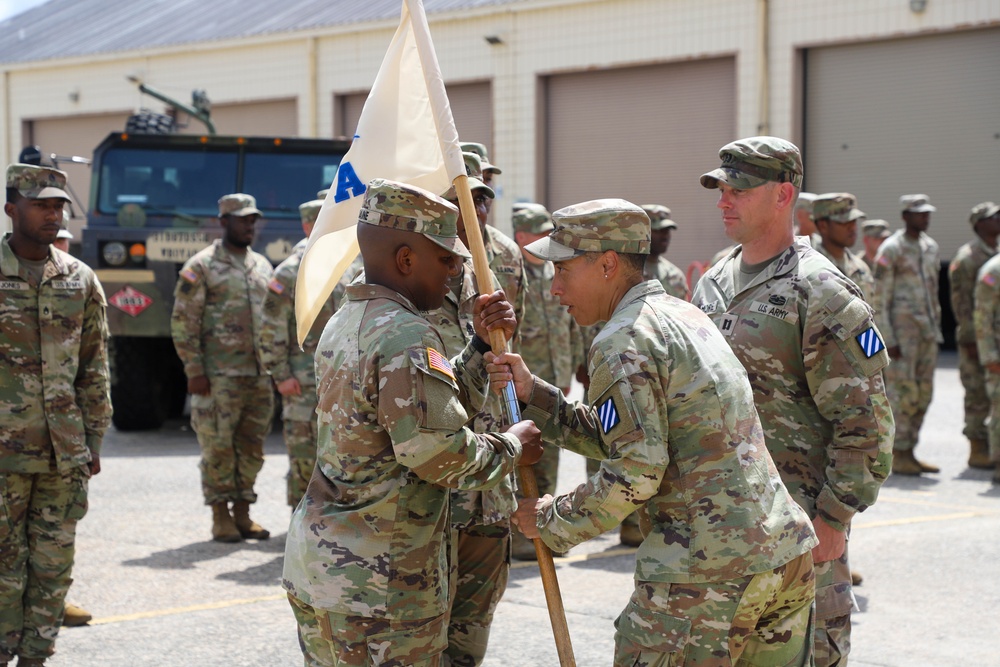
x=493 y=311
x=199 y=385
x=531 y=441
x=506 y=368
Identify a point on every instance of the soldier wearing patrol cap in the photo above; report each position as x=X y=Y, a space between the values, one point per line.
x=908 y=313
x=804 y=219
x=814 y=356
x=987 y=323
x=392 y=435
x=725 y=566
x=658 y=267
x=489 y=170
x=292 y=367
x=55 y=396
x=837 y=215
x=873 y=233
x=216 y=324
x=962 y=272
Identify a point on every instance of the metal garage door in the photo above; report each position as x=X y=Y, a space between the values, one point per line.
x=911 y=115
x=644 y=134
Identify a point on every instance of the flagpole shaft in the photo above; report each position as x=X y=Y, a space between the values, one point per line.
x=553 y=598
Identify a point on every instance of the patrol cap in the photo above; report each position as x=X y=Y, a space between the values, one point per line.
x=983 y=211
x=412 y=209
x=532 y=218
x=310 y=211
x=484 y=157
x=322 y=193
x=34 y=182
x=238 y=205
x=876 y=229
x=659 y=217
x=474 y=170
x=594 y=226
x=805 y=201
x=752 y=162
x=837 y=207
x=916 y=204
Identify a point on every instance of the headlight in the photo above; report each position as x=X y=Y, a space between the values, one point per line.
x=114 y=253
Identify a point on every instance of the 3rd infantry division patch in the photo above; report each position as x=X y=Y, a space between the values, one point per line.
x=608 y=414
x=870 y=343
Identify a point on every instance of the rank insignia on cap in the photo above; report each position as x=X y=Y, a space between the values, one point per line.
x=870 y=343
x=276 y=287
x=189 y=275
x=437 y=361
x=608 y=414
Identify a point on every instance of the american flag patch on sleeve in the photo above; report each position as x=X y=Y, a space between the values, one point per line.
x=276 y=287
x=989 y=279
x=437 y=361
x=189 y=275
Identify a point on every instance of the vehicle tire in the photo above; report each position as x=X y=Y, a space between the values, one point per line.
x=149 y=122
x=138 y=383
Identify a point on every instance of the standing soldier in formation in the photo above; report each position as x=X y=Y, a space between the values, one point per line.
x=810 y=346
x=908 y=313
x=550 y=339
x=724 y=572
x=57 y=405
x=836 y=215
x=293 y=368
x=987 y=322
x=216 y=327
x=658 y=267
x=804 y=221
x=873 y=234
x=962 y=273
x=368 y=550
x=489 y=170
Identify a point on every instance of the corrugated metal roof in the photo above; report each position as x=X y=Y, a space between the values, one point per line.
x=68 y=28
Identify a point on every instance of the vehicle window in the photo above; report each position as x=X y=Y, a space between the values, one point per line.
x=282 y=181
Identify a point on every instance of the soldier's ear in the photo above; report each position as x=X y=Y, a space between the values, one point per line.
x=405 y=259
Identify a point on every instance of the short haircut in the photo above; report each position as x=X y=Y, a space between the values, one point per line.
x=13 y=195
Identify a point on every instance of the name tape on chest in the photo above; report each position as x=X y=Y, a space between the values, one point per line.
x=67 y=284
x=781 y=312
x=709 y=308
x=13 y=285
x=870 y=343
x=608 y=415
x=437 y=361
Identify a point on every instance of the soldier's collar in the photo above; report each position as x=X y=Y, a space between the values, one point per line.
x=367 y=291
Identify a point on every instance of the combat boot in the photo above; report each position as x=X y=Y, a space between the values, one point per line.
x=76 y=616
x=926 y=467
x=249 y=529
x=979 y=455
x=223 y=528
x=903 y=463
x=31 y=662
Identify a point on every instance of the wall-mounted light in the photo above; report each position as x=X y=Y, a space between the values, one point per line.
x=493 y=40
x=917 y=6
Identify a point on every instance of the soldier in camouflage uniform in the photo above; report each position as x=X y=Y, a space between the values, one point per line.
x=908 y=314
x=962 y=272
x=489 y=170
x=873 y=233
x=480 y=518
x=658 y=267
x=804 y=224
x=216 y=327
x=987 y=323
x=814 y=356
x=56 y=403
x=724 y=574
x=837 y=215
x=291 y=367
x=369 y=549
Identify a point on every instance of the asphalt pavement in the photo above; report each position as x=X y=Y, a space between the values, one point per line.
x=163 y=594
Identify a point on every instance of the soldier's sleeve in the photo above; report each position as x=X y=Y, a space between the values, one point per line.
x=519 y=303
x=185 y=321
x=420 y=409
x=962 y=288
x=844 y=356
x=277 y=327
x=885 y=284
x=985 y=315
x=92 y=383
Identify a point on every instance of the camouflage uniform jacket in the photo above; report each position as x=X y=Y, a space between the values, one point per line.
x=372 y=536
x=811 y=349
x=987 y=312
x=906 y=289
x=550 y=337
x=507 y=264
x=218 y=307
x=672 y=417
x=279 y=351
x=668 y=274
x=54 y=387
x=854 y=268
x=962 y=274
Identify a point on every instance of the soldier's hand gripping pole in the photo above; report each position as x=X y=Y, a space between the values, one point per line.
x=553 y=598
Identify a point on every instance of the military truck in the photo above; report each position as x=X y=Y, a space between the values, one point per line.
x=153 y=204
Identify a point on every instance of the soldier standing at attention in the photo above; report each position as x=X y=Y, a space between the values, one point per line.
x=216 y=328
x=814 y=356
x=293 y=368
x=57 y=405
x=909 y=316
x=658 y=267
x=804 y=221
x=987 y=323
x=873 y=233
x=724 y=574
x=836 y=215
x=962 y=272
x=368 y=551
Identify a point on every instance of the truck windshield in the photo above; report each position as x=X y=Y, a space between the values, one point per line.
x=282 y=181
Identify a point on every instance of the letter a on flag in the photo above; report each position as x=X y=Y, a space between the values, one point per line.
x=405 y=133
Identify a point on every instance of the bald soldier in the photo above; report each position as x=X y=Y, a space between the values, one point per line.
x=368 y=550
x=836 y=215
x=292 y=367
x=814 y=357
x=658 y=267
x=724 y=573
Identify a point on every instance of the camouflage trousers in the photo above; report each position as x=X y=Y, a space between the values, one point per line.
x=993 y=425
x=834 y=603
x=481 y=569
x=764 y=620
x=38 y=517
x=909 y=384
x=231 y=423
x=300 y=440
x=977 y=402
x=337 y=640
